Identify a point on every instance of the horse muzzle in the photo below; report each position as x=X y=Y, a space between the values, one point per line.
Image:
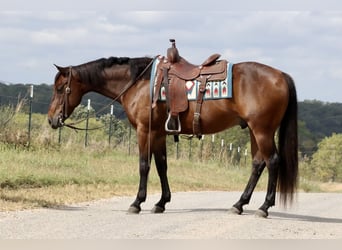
x=56 y=121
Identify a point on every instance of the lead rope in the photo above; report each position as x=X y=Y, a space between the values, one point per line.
x=149 y=131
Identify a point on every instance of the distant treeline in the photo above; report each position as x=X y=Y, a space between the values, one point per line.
x=11 y=94
x=317 y=119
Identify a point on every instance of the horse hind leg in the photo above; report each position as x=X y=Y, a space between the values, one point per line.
x=262 y=146
x=258 y=166
x=273 y=168
x=268 y=150
x=257 y=169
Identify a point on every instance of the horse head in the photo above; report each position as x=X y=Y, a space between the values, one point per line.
x=67 y=94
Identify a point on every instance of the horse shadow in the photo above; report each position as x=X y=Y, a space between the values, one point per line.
x=300 y=217
x=272 y=215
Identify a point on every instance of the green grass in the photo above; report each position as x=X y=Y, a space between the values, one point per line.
x=50 y=174
x=55 y=175
x=42 y=168
x=27 y=169
x=76 y=174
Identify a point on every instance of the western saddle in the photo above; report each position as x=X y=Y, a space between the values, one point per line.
x=173 y=72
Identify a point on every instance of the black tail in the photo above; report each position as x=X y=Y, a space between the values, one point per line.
x=288 y=147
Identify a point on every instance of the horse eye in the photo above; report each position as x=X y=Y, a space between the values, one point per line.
x=59 y=89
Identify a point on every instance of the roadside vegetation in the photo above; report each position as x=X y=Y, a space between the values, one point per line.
x=56 y=168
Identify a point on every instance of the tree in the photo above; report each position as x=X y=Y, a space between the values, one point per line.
x=327 y=161
x=307 y=141
x=321 y=119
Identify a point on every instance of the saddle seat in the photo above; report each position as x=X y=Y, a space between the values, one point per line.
x=184 y=69
x=188 y=71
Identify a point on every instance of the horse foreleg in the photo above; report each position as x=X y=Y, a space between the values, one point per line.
x=144 y=169
x=161 y=163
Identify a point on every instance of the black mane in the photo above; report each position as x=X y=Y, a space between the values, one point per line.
x=91 y=72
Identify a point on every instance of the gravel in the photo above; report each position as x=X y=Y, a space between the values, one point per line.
x=190 y=215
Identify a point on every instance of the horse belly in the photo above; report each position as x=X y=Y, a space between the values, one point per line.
x=215 y=116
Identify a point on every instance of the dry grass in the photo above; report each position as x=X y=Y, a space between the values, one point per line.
x=57 y=177
x=56 y=196
x=331 y=187
x=48 y=178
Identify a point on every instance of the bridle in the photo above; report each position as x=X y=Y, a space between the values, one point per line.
x=65 y=100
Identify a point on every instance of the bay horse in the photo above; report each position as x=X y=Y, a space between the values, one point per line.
x=264 y=100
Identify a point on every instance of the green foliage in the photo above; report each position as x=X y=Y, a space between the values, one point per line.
x=239 y=141
x=9 y=95
x=327 y=161
x=81 y=112
x=317 y=120
x=321 y=119
x=307 y=141
x=114 y=127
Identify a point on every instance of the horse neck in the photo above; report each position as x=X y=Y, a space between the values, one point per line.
x=114 y=89
x=122 y=82
x=116 y=78
x=113 y=83
x=136 y=99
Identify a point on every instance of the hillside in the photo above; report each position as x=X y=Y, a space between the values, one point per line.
x=316 y=119
x=320 y=118
x=10 y=94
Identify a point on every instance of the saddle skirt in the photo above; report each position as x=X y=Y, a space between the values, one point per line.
x=214 y=89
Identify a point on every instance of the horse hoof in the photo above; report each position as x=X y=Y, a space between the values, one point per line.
x=234 y=210
x=158 y=210
x=133 y=210
x=261 y=214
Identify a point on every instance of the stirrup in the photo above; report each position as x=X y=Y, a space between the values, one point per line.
x=173 y=131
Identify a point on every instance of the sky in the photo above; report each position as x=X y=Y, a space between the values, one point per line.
x=303 y=40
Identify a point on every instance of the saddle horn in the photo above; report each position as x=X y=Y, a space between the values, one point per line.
x=173 y=43
x=172 y=53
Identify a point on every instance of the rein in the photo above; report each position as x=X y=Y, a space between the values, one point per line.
x=68 y=91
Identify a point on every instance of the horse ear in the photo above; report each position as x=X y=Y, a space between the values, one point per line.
x=65 y=71
x=59 y=68
x=62 y=70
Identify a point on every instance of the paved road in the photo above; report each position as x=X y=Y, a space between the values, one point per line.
x=190 y=215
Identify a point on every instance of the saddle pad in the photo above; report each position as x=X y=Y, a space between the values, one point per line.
x=214 y=89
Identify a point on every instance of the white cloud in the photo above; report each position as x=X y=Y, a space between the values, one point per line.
x=64 y=16
x=336 y=74
x=102 y=24
x=9 y=35
x=248 y=54
x=47 y=37
x=145 y=17
x=31 y=63
x=305 y=44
